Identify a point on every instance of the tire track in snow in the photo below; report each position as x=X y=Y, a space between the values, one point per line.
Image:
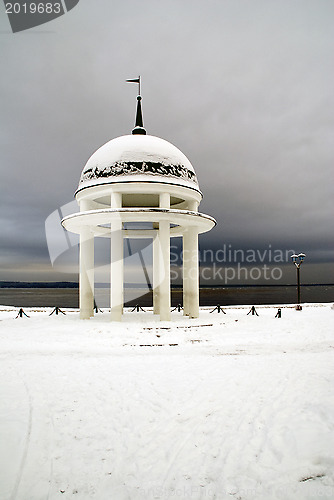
x=195 y=410
x=26 y=444
x=180 y=448
x=250 y=440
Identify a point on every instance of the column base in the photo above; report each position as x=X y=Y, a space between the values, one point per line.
x=85 y=314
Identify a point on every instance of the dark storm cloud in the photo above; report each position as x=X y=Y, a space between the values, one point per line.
x=244 y=89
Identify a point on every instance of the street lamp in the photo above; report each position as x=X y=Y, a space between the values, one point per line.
x=298 y=260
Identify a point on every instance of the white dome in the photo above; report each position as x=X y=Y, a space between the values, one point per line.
x=138 y=158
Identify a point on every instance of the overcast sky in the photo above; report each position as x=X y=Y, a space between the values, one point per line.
x=243 y=88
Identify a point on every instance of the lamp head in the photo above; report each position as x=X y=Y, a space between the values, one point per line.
x=301 y=257
x=294 y=257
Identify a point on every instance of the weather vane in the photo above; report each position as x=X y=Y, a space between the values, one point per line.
x=136 y=80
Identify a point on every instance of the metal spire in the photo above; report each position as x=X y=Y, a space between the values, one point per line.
x=139 y=124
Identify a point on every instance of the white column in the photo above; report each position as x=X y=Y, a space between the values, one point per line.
x=194 y=274
x=185 y=272
x=187 y=262
x=86 y=277
x=193 y=205
x=191 y=273
x=156 y=268
x=116 y=262
x=164 y=261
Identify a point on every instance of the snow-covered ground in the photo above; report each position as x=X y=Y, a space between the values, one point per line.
x=224 y=407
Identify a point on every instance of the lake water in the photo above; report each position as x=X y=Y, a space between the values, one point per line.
x=69 y=297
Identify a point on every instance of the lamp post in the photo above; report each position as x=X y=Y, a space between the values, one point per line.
x=298 y=260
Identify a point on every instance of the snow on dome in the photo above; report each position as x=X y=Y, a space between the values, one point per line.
x=138 y=158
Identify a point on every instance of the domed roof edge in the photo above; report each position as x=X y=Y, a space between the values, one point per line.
x=130 y=155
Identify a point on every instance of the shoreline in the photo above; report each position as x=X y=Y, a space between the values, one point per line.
x=224 y=296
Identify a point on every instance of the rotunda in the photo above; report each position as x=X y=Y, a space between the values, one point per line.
x=134 y=179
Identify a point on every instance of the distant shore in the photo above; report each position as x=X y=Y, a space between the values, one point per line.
x=74 y=284
x=68 y=296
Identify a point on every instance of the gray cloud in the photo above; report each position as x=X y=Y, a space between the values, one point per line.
x=244 y=89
